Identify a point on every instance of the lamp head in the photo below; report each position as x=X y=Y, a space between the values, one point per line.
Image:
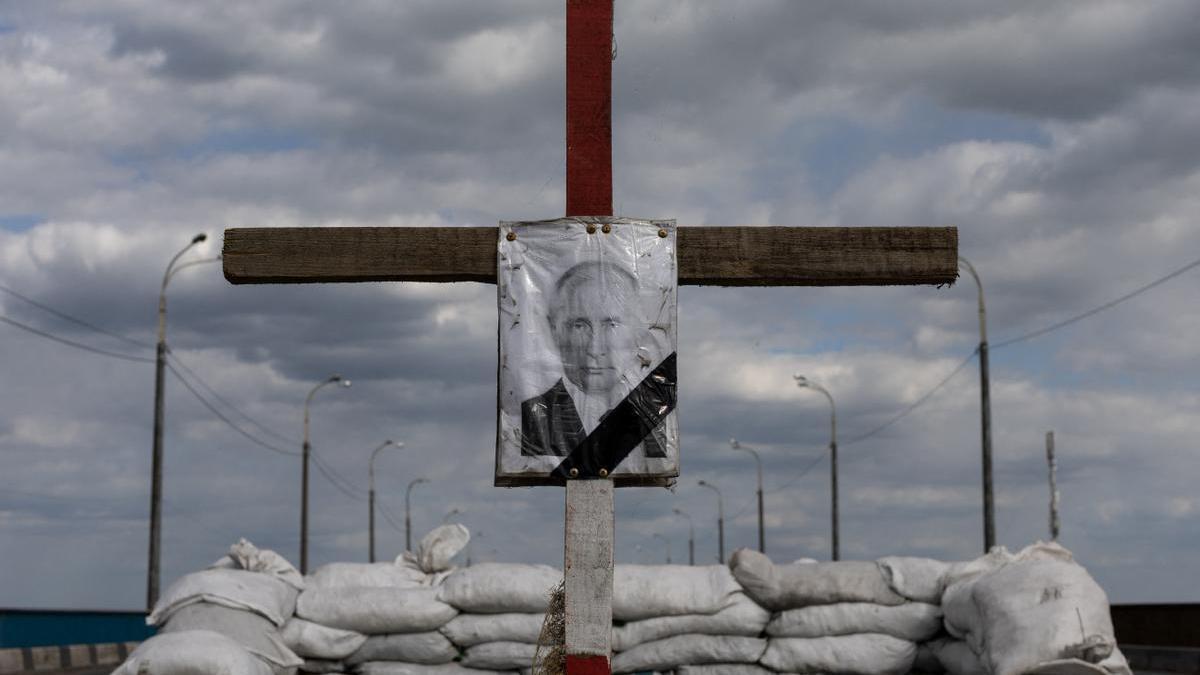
x=199 y=238
x=702 y=482
x=345 y=383
x=801 y=381
x=398 y=444
x=733 y=443
x=677 y=511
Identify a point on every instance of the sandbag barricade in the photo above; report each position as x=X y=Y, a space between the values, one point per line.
x=1036 y=611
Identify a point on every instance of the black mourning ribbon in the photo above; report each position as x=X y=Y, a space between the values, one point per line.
x=625 y=426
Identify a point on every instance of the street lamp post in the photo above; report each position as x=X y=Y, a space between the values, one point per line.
x=371 y=493
x=304 y=471
x=667 y=544
x=803 y=383
x=691 y=536
x=156 y=461
x=733 y=443
x=985 y=417
x=408 y=511
x=720 y=520
x=451 y=513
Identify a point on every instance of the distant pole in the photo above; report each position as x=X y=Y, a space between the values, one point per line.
x=371 y=493
x=304 y=472
x=666 y=544
x=1053 y=485
x=691 y=536
x=156 y=461
x=408 y=511
x=733 y=443
x=985 y=401
x=720 y=520
x=803 y=382
x=451 y=513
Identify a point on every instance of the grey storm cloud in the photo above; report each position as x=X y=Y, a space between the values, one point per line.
x=130 y=126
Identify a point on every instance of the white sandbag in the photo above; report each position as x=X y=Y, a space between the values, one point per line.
x=375 y=611
x=1039 y=607
x=926 y=662
x=266 y=594
x=322 y=666
x=678 y=650
x=467 y=630
x=646 y=591
x=428 y=648
x=724 y=669
x=741 y=616
x=381 y=575
x=956 y=657
x=246 y=556
x=915 y=621
x=1115 y=664
x=780 y=587
x=501 y=588
x=918 y=579
x=394 y=668
x=500 y=655
x=959 y=572
x=440 y=545
x=320 y=642
x=195 y=652
x=862 y=654
x=253 y=631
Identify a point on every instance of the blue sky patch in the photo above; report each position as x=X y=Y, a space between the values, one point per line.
x=20 y=222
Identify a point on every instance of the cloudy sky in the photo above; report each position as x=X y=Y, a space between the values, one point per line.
x=1059 y=137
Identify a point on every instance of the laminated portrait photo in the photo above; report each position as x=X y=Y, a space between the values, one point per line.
x=587 y=351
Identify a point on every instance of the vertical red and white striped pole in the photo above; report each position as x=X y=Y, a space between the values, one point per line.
x=588 y=538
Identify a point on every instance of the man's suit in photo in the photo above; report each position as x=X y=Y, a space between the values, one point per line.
x=550 y=425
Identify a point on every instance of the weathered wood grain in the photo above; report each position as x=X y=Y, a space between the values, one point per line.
x=708 y=256
x=588 y=567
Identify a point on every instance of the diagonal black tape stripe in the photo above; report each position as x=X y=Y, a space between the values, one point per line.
x=625 y=426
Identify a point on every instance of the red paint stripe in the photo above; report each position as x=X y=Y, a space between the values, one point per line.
x=587 y=665
x=589 y=107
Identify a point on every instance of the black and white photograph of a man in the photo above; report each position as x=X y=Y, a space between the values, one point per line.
x=587 y=321
x=594 y=317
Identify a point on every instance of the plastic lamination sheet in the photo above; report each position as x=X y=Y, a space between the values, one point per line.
x=587 y=382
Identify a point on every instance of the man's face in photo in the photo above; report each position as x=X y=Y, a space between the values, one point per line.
x=594 y=329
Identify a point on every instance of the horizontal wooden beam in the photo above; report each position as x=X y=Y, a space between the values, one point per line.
x=708 y=256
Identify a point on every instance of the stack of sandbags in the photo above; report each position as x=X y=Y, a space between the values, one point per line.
x=229 y=614
x=843 y=617
x=1034 y=612
x=670 y=616
x=379 y=617
x=502 y=607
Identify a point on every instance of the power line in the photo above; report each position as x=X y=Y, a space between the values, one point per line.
x=226 y=420
x=344 y=486
x=75 y=320
x=72 y=343
x=915 y=404
x=175 y=357
x=1096 y=310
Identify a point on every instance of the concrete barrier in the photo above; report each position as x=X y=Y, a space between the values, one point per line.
x=63 y=657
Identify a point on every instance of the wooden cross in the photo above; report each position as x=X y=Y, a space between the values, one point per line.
x=720 y=256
